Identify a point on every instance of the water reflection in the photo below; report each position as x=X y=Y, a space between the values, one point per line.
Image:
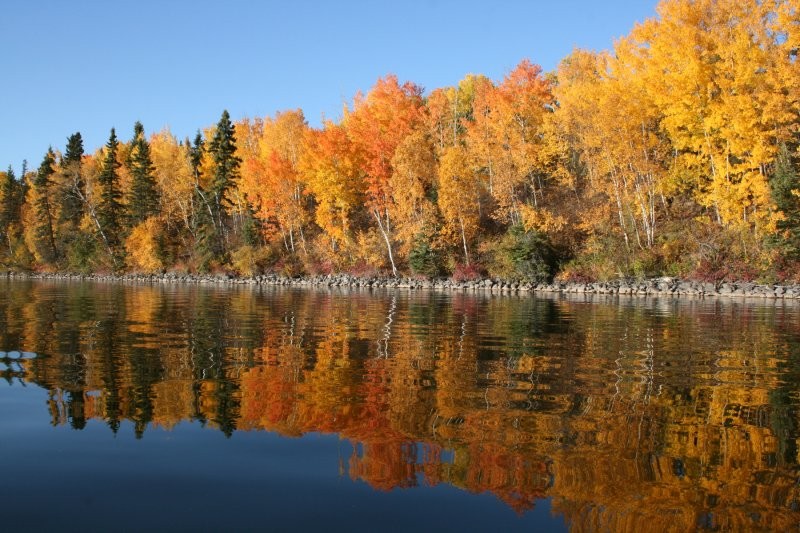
x=630 y=415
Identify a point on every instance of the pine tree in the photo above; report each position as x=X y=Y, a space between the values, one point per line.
x=110 y=211
x=74 y=194
x=143 y=199
x=45 y=238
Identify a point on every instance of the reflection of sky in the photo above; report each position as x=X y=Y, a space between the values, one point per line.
x=189 y=478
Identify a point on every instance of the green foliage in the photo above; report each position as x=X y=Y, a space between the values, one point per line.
x=143 y=198
x=110 y=211
x=196 y=154
x=226 y=165
x=784 y=189
x=521 y=255
x=11 y=197
x=74 y=186
x=212 y=232
x=424 y=258
x=81 y=252
x=250 y=227
x=11 y=200
x=44 y=234
x=205 y=235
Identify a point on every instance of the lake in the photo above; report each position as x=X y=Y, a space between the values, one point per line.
x=188 y=407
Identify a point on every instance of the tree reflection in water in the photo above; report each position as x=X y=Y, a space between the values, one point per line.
x=630 y=414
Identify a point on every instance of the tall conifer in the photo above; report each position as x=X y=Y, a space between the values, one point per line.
x=45 y=237
x=784 y=188
x=143 y=199
x=226 y=173
x=110 y=211
x=74 y=193
x=9 y=208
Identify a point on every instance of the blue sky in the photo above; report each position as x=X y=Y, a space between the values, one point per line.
x=89 y=65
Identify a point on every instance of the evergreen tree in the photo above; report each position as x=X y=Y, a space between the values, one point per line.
x=251 y=228
x=196 y=154
x=45 y=238
x=203 y=227
x=8 y=193
x=226 y=172
x=110 y=211
x=9 y=209
x=784 y=186
x=226 y=165
x=74 y=193
x=22 y=190
x=143 y=199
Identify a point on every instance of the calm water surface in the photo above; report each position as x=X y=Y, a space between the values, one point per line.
x=203 y=408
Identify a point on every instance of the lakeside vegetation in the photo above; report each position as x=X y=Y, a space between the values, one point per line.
x=674 y=154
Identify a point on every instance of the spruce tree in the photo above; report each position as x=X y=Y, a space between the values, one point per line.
x=196 y=154
x=203 y=229
x=45 y=237
x=203 y=226
x=226 y=172
x=784 y=187
x=143 y=199
x=74 y=193
x=22 y=190
x=110 y=211
x=9 y=209
x=226 y=165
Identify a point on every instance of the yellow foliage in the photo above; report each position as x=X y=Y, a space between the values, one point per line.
x=542 y=220
x=414 y=173
x=174 y=177
x=271 y=151
x=459 y=197
x=144 y=248
x=332 y=170
x=717 y=71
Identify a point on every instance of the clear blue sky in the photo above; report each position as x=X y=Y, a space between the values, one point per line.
x=89 y=65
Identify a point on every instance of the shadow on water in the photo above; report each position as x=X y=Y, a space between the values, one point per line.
x=627 y=414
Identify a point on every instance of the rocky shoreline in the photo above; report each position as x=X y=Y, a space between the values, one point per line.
x=650 y=287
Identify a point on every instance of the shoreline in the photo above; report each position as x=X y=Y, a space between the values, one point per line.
x=650 y=287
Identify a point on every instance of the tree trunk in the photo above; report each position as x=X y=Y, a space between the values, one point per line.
x=464 y=241
x=385 y=233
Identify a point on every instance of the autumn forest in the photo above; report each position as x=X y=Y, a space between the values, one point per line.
x=676 y=153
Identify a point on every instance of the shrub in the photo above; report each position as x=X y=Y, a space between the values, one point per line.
x=521 y=255
x=81 y=252
x=424 y=259
x=289 y=265
x=467 y=272
x=250 y=260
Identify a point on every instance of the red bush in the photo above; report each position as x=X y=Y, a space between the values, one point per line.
x=467 y=272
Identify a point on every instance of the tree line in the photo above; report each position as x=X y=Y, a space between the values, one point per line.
x=675 y=153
